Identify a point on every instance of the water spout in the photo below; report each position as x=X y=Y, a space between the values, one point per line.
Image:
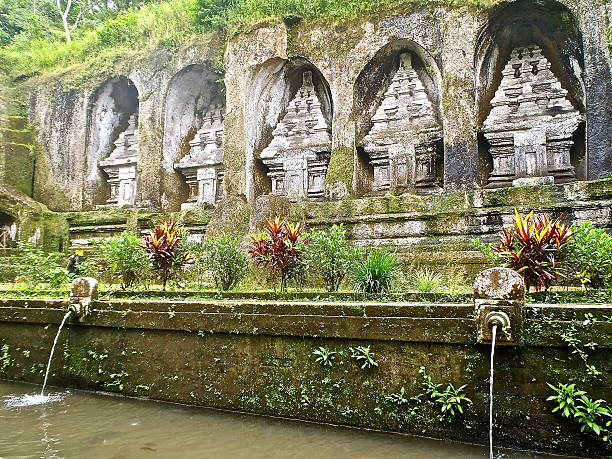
x=59 y=330
x=494 y=337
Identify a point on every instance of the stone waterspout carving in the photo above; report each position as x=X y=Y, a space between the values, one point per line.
x=299 y=152
x=203 y=165
x=403 y=142
x=531 y=124
x=121 y=165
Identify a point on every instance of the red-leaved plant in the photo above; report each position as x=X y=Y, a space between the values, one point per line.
x=164 y=248
x=533 y=247
x=279 y=247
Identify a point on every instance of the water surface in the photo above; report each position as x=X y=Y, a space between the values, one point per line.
x=85 y=425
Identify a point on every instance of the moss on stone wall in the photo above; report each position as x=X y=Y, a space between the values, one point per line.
x=340 y=172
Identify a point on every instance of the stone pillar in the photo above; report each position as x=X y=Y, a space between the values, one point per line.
x=598 y=87
x=83 y=291
x=461 y=166
x=499 y=298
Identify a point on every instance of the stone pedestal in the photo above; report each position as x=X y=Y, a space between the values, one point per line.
x=499 y=298
x=83 y=291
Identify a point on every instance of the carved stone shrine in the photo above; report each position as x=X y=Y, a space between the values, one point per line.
x=121 y=166
x=299 y=152
x=531 y=123
x=203 y=165
x=404 y=142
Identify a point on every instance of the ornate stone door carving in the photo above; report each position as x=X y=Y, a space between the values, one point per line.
x=298 y=155
x=203 y=165
x=121 y=166
x=531 y=123
x=403 y=141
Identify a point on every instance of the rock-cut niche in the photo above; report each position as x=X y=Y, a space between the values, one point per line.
x=193 y=139
x=531 y=101
x=399 y=133
x=112 y=152
x=291 y=138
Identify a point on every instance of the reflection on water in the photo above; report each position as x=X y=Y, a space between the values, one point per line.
x=84 y=425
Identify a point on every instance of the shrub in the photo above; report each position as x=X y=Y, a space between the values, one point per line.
x=36 y=266
x=589 y=255
x=225 y=261
x=426 y=280
x=279 y=247
x=124 y=257
x=164 y=247
x=377 y=272
x=533 y=247
x=330 y=255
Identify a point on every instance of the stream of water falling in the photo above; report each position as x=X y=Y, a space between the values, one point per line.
x=59 y=330
x=494 y=336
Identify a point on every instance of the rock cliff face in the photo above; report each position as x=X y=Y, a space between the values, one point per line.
x=369 y=75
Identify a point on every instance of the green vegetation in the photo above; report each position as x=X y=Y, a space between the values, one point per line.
x=426 y=280
x=34 y=266
x=363 y=356
x=325 y=356
x=5 y=357
x=123 y=257
x=451 y=400
x=589 y=255
x=35 y=39
x=330 y=255
x=377 y=273
x=224 y=259
x=592 y=415
x=279 y=247
x=165 y=249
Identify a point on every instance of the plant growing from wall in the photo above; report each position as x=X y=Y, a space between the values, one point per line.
x=331 y=256
x=592 y=415
x=225 y=261
x=451 y=401
x=377 y=272
x=363 y=356
x=124 y=257
x=279 y=247
x=164 y=248
x=325 y=356
x=589 y=256
x=5 y=357
x=486 y=250
x=533 y=247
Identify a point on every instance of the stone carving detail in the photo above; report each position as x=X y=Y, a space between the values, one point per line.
x=404 y=142
x=299 y=152
x=531 y=124
x=203 y=165
x=121 y=164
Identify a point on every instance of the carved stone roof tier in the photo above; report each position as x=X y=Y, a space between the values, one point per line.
x=405 y=107
x=206 y=148
x=303 y=127
x=126 y=146
x=530 y=94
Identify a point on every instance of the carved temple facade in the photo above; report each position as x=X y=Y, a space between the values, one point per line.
x=404 y=142
x=202 y=167
x=121 y=166
x=298 y=155
x=530 y=131
x=531 y=124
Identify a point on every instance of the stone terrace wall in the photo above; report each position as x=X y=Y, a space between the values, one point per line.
x=257 y=356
